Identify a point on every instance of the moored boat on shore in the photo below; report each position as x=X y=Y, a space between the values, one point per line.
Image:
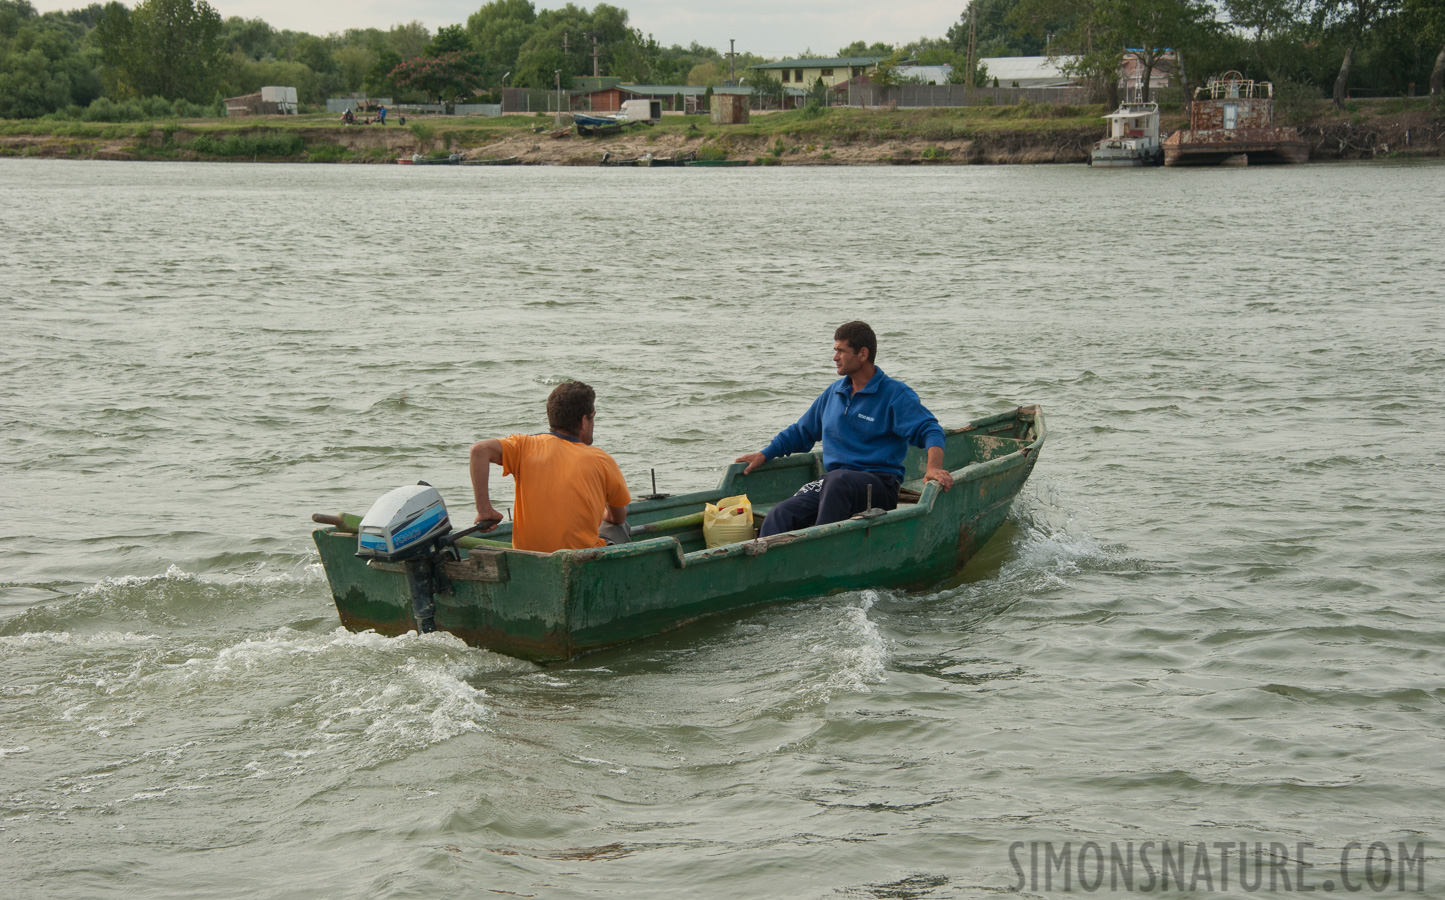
x=416 y=159
x=1133 y=138
x=554 y=606
x=1231 y=120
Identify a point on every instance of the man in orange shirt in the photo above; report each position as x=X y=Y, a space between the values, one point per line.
x=565 y=486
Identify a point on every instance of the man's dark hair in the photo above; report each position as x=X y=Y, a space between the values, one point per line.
x=858 y=335
x=567 y=404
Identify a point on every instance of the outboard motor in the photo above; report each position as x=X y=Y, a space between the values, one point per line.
x=403 y=523
x=410 y=525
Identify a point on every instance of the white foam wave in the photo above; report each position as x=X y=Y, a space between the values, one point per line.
x=1055 y=542
x=259 y=576
x=393 y=693
x=48 y=639
x=173 y=574
x=423 y=706
x=12 y=751
x=856 y=653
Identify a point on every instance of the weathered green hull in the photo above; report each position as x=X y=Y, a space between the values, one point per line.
x=549 y=607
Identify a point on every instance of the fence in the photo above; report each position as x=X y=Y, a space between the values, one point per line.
x=337 y=105
x=914 y=96
x=533 y=100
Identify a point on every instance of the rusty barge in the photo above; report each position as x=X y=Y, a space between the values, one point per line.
x=1232 y=121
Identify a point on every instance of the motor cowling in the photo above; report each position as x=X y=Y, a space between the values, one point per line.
x=403 y=524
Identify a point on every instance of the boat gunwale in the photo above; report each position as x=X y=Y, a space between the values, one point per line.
x=573 y=633
x=924 y=507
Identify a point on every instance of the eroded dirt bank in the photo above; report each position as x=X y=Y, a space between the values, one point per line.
x=1415 y=133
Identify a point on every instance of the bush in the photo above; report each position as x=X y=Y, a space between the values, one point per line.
x=423 y=132
x=104 y=109
x=813 y=110
x=1295 y=102
x=327 y=153
x=252 y=145
x=711 y=154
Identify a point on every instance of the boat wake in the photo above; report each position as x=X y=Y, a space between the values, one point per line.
x=177 y=599
x=853 y=652
x=357 y=698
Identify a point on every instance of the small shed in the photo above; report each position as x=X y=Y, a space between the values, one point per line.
x=730 y=109
x=269 y=101
x=597 y=94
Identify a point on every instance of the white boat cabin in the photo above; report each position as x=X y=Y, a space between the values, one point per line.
x=1133 y=138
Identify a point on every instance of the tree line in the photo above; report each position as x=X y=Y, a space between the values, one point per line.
x=184 y=55
x=1309 y=48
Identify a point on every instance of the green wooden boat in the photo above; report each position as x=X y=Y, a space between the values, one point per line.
x=551 y=607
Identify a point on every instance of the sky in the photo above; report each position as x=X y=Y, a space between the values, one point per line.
x=762 y=27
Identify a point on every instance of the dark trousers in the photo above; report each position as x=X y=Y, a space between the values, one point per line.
x=840 y=494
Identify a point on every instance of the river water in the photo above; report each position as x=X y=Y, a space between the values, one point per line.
x=1212 y=618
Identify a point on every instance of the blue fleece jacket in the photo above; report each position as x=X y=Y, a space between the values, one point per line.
x=868 y=431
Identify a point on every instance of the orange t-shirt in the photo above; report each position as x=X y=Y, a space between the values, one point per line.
x=562 y=491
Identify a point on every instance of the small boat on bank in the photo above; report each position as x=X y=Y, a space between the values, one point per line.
x=1133 y=138
x=416 y=159
x=489 y=161
x=1231 y=121
x=717 y=163
x=554 y=606
x=590 y=125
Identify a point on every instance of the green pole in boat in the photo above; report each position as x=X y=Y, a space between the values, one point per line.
x=668 y=524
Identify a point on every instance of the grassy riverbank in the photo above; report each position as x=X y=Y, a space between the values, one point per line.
x=1026 y=133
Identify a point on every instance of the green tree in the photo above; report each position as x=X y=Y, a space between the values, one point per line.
x=818 y=93
x=449 y=39
x=885 y=74
x=44 y=62
x=254 y=37
x=1428 y=18
x=409 y=39
x=710 y=73
x=767 y=90
x=378 y=80
x=353 y=62
x=1350 y=21
x=498 y=31
x=543 y=52
x=998 y=32
x=1274 y=29
x=1084 y=30
x=862 y=48
x=960 y=74
x=166 y=48
x=1156 y=27
x=637 y=59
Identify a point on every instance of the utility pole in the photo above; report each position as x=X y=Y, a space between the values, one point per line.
x=596 y=70
x=972 y=43
x=732 y=61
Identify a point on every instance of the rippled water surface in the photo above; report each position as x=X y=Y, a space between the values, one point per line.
x=1214 y=615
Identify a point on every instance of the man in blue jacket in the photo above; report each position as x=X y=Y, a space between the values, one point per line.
x=866 y=421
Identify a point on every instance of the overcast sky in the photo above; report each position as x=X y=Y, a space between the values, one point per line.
x=760 y=26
